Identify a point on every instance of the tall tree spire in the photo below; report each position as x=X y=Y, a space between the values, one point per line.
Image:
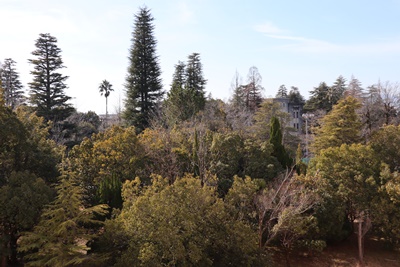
x=143 y=82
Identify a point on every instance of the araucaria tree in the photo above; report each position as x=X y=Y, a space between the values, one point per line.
x=195 y=82
x=47 y=88
x=13 y=89
x=177 y=96
x=143 y=82
x=186 y=97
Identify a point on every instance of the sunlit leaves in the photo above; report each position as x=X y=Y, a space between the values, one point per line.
x=182 y=224
x=341 y=126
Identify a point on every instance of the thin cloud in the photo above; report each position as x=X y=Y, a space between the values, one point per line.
x=303 y=44
x=306 y=44
x=310 y=45
x=268 y=28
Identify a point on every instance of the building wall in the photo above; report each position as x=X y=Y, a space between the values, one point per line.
x=294 y=109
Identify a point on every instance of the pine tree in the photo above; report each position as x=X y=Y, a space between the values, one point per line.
x=336 y=91
x=13 y=89
x=282 y=92
x=48 y=85
x=295 y=97
x=319 y=98
x=143 y=83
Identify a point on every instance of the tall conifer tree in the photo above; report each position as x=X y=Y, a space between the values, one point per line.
x=336 y=91
x=48 y=85
x=143 y=82
x=186 y=97
x=319 y=98
x=195 y=82
x=177 y=96
x=282 y=92
x=13 y=89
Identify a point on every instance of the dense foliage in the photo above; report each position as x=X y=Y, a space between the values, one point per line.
x=197 y=182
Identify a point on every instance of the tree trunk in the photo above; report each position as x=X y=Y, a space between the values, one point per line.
x=106 y=113
x=360 y=244
x=287 y=258
x=4 y=261
x=13 y=250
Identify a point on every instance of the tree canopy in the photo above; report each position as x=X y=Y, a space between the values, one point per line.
x=341 y=126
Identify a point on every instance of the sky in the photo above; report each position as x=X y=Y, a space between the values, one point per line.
x=291 y=42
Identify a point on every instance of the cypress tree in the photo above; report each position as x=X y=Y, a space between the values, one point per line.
x=48 y=85
x=279 y=150
x=143 y=82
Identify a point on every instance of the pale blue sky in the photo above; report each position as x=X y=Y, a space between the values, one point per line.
x=299 y=43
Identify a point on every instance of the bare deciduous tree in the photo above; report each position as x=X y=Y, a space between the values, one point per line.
x=381 y=106
x=285 y=212
x=252 y=90
x=390 y=95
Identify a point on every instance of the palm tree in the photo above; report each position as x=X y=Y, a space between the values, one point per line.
x=106 y=88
